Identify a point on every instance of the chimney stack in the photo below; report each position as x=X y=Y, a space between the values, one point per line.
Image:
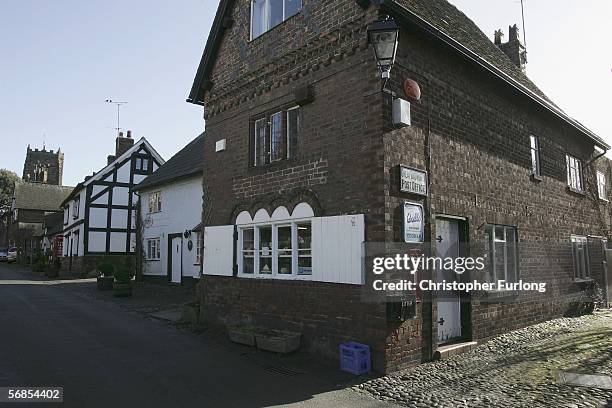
x=123 y=144
x=514 y=49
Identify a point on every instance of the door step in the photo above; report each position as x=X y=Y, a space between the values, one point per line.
x=447 y=351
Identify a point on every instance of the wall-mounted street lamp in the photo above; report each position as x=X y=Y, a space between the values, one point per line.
x=384 y=37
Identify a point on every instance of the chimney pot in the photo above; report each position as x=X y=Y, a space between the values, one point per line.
x=513 y=48
x=498 y=37
x=109 y=159
x=120 y=134
x=129 y=134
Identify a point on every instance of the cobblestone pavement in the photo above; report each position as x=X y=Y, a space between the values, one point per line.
x=517 y=369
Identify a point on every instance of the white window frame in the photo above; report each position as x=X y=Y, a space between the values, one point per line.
x=534 y=147
x=155 y=205
x=266 y=21
x=256 y=252
x=582 y=271
x=76 y=204
x=574 y=172
x=493 y=239
x=153 y=249
x=601 y=186
x=198 y=248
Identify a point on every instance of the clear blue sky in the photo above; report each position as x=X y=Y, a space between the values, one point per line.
x=60 y=59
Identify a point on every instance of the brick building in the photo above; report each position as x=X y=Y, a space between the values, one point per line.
x=302 y=164
x=32 y=202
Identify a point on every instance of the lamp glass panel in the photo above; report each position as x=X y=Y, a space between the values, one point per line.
x=384 y=46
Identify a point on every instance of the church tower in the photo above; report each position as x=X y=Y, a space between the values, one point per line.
x=43 y=166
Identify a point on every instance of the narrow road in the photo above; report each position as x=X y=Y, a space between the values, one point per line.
x=52 y=335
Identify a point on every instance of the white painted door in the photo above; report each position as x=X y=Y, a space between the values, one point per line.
x=177 y=259
x=449 y=302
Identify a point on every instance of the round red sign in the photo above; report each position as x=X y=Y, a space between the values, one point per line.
x=412 y=89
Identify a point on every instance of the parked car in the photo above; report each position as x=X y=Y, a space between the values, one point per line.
x=12 y=255
x=3 y=254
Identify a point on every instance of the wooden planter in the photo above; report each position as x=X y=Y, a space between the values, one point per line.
x=105 y=282
x=122 y=289
x=242 y=335
x=278 y=341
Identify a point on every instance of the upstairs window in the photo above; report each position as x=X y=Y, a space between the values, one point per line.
x=155 y=203
x=601 y=186
x=267 y=14
x=275 y=136
x=142 y=164
x=76 y=204
x=535 y=155
x=574 y=172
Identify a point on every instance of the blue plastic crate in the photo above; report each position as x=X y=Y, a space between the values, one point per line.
x=355 y=358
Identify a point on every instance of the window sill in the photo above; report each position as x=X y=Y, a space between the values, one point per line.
x=537 y=178
x=153 y=260
x=274 y=166
x=277 y=277
x=604 y=200
x=576 y=191
x=262 y=35
x=583 y=281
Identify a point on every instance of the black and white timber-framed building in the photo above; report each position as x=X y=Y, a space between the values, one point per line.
x=100 y=213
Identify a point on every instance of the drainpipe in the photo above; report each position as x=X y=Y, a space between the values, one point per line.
x=138 y=252
x=605 y=151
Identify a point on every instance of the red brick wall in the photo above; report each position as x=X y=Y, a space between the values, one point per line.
x=479 y=164
x=480 y=168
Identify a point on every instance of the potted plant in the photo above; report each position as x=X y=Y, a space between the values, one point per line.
x=122 y=287
x=105 y=277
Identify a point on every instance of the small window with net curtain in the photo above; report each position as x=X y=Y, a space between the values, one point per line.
x=275 y=136
x=502 y=253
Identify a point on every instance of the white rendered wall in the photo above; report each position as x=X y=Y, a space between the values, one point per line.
x=181 y=211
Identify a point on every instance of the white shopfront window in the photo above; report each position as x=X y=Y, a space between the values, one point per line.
x=287 y=246
x=282 y=250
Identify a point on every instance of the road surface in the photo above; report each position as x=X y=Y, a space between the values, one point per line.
x=51 y=334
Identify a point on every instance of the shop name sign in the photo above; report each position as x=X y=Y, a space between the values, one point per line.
x=413 y=181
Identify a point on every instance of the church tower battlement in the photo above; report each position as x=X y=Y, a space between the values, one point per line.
x=43 y=166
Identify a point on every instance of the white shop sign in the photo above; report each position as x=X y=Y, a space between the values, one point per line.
x=414 y=227
x=413 y=181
